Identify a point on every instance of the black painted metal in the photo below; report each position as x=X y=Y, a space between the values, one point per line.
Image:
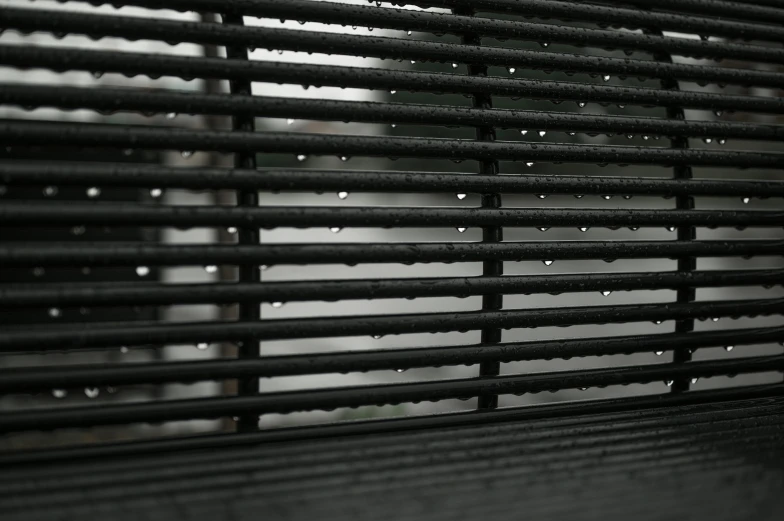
x=614 y=438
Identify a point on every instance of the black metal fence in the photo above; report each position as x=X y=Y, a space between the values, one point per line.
x=673 y=143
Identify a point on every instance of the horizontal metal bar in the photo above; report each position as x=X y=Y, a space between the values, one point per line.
x=26 y=133
x=329 y=398
x=25 y=255
x=70 y=294
x=404 y=49
x=44 y=379
x=367 y=78
x=201 y=178
x=79 y=336
x=34 y=213
x=635 y=18
x=759 y=10
x=113 y=99
x=632 y=18
x=137 y=28
x=574 y=411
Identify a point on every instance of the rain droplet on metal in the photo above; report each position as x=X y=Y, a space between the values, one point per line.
x=342 y=195
x=59 y=393
x=201 y=346
x=606 y=77
x=211 y=268
x=729 y=348
x=142 y=271
x=91 y=392
x=335 y=229
x=461 y=229
x=277 y=305
x=186 y=154
x=171 y=115
x=523 y=132
x=583 y=228
x=529 y=163
x=93 y=191
x=746 y=200
x=542 y=133
x=461 y=196
x=658 y=353
x=548 y=262
x=290 y=121
x=541 y=196
x=155 y=193
x=54 y=312
x=668 y=383
x=301 y=157
x=606 y=293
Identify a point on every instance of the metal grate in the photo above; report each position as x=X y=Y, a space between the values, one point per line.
x=617 y=167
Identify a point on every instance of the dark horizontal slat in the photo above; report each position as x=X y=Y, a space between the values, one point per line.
x=68 y=294
x=34 y=213
x=759 y=10
x=123 y=254
x=27 y=133
x=196 y=178
x=367 y=78
x=570 y=412
x=564 y=10
x=96 y=25
x=405 y=49
x=44 y=379
x=114 y=99
x=329 y=398
x=78 y=336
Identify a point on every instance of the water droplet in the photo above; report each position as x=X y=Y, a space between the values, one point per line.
x=511 y=70
x=335 y=229
x=715 y=319
x=201 y=346
x=629 y=136
x=606 y=293
x=645 y=137
x=344 y=158
x=408 y=33
x=581 y=104
x=548 y=262
x=578 y=196
x=541 y=196
x=668 y=383
x=91 y=392
x=543 y=228
x=583 y=228
x=59 y=393
x=393 y=92
x=544 y=44
x=455 y=66
x=413 y=62
x=211 y=268
x=393 y=125
x=124 y=349
x=718 y=113
x=671 y=228
x=301 y=157
x=54 y=312
x=461 y=196
x=721 y=141
x=93 y=191
x=400 y=370
x=277 y=305
x=606 y=77
x=707 y=140
x=627 y=197
x=461 y=229
x=50 y=191
x=97 y=75
x=290 y=121
x=171 y=115
x=155 y=193
x=694 y=380
x=657 y=322
x=606 y=197
x=542 y=133
x=583 y=388
x=729 y=348
x=264 y=267
x=658 y=353
x=523 y=132
x=746 y=200
x=142 y=271
x=186 y=154
x=376 y=337
x=342 y=195
x=529 y=163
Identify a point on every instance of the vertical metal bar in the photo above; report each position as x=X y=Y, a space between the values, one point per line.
x=685 y=233
x=248 y=311
x=490 y=234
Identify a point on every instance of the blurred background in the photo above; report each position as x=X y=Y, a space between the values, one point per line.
x=199 y=313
